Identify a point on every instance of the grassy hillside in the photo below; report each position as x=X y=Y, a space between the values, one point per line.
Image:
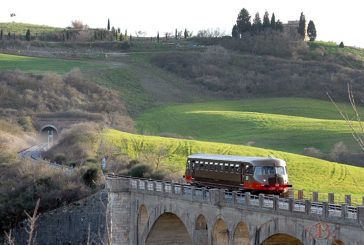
x=41 y=65
x=285 y=124
x=305 y=173
x=21 y=28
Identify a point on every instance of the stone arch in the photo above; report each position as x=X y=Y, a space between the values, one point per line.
x=241 y=234
x=282 y=239
x=201 y=231
x=142 y=221
x=168 y=229
x=47 y=128
x=220 y=234
x=337 y=242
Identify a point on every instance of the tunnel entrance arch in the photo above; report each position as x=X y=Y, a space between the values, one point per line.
x=282 y=239
x=48 y=128
x=168 y=229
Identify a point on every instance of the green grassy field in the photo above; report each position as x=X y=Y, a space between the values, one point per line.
x=286 y=124
x=309 y=174
x=21 y=28
x=40 y=65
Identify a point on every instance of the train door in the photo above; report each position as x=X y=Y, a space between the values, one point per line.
x=248 y=175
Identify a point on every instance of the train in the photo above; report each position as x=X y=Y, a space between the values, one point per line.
x=238 y=173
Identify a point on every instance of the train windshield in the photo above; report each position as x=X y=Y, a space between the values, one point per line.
x=269 y=170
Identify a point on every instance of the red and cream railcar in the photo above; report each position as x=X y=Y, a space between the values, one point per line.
x=254 y=174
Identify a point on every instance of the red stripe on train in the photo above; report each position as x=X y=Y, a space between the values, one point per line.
x=262 y=186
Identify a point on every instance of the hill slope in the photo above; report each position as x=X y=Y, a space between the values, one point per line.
x=285 y=124
x=21 y=28
x=305 y=173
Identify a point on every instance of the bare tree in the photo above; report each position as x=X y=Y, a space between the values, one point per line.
x=357 y=132
x=31 y=226
x=78 y=25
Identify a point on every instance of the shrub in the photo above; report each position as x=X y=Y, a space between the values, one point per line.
x=60 y=159
x=140 y=170
x=91 y=176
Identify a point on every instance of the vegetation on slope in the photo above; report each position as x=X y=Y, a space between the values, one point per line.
x=309 y=174
x=41 y=65
x=285 y=124
x=21 y=28
x=24 y=94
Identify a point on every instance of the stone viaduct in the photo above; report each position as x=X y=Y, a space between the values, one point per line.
x=153 y=212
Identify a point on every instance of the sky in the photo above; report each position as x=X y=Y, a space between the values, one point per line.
x=335 y=20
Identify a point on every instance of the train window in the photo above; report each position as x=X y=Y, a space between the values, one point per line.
x=226 y=167
x=269 y=170
x=201 y=165
x=221 y=167
x=188 y=164
x=216 y=166
x=258 y=171
x=237 y=168
x=280 y=170
x=249 y=170
x=232 y=169
x=211 y=166
x=193 y=165
x=206 y=165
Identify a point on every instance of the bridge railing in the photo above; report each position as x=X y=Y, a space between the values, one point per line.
x=324 y=210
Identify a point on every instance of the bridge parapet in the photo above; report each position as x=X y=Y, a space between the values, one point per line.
x=306 y=209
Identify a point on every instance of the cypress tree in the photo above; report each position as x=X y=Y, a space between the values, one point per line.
x=185 y=34
x=257 y=23
x=126 y=33
x=279 y=26
x=9 y=35
x=108 y=24
x=341 y=45
x=311 y=31
x=266 y=21
x=175 y=34
x=243 y=21
x=121 y=38
x=158 y=37
x=302 y=25
x=273 y=23
x=235 y=32
x=1 y=34
x=27 y=35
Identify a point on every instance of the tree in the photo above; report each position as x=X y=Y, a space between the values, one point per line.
x=158 y=37
x=175 y=34
x=266 y=21
x=243 y=21
x=108 y=24
x=1 y=34
x=311 y=31
x=118 y=29
x=302 y=25
x=9 y=35
x=235 y=32
x=126 y=33
x=121 y=37
x=78 y=25
x=27 y=35
x=273 y=23
x=185 y=34
x=341 y=44
x=279 y=26
x=257 y=23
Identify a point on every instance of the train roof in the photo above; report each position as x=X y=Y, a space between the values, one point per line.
x=232 y=158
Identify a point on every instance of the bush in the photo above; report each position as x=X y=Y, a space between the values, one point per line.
x=60 y=159
x=140 y=171
x=91 y=176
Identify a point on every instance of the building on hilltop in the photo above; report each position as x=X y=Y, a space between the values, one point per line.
x=291 y=30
